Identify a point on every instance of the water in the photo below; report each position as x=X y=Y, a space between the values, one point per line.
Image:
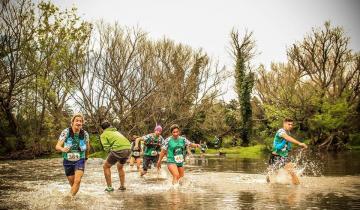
x=329 y=181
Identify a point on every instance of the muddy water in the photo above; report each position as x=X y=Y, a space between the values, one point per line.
x=328 y=181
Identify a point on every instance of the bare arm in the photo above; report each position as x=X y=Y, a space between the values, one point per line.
x=161 y=156
x=195 y=145
x=137 y=141
x=59 y=146
x=188 y=150
x=292 y=140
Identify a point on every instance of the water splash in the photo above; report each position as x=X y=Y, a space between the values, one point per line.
x=303 y=163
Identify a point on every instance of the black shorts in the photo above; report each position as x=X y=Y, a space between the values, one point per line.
x=148 y=160
x=277 y=161
x=135 y=157
x=120 y=156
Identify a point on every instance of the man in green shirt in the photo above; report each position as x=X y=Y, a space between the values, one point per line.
x=281 y=147
x=118 y=147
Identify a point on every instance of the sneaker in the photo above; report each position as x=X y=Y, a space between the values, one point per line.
x=109 y=189
x=122 y=188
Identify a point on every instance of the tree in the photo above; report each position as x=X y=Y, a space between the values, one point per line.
x=319 y=88
x=16 y=31
x=243 y=51
x=326 y=60
x=60 y=40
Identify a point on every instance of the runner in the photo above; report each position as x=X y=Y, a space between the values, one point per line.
x=152 y=144
x=135 y=154
x=203 y=148
x=74 y=145
x=118 y=147
x=175 y=148
x=280 y=151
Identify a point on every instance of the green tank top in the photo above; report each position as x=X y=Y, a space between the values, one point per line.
x=176 y=150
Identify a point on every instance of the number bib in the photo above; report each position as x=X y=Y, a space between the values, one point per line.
x=73 y=156
x=154 y=153
x=136 y=153
x=179 y=158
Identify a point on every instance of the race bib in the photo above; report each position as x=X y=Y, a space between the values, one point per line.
x=73 y=156
x=179 y=158
x=154 y=153
x=285 y=147
x=136 y=153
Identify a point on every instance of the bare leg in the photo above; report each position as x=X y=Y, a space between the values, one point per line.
x=146 y=163
x=121 y=174
x=290 y=169
x=71 y=180
x=132 y=160
x=138 y=163
x=181 y=172
x=76 y=185
x=107 y=173
x=174 y=172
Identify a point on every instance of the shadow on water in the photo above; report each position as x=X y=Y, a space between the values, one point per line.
x=210 y=183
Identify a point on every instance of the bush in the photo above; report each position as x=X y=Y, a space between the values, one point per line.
x=95 y=143
x=268 y=143
x=355 y=139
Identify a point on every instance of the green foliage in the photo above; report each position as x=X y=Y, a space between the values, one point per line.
x=244 y=81
x=49 y=55
x=269 y=143
x=228 y=141
x=95 y=143
x=275 y=114
x=334 y=116
x=255 y=152
x=355 y=139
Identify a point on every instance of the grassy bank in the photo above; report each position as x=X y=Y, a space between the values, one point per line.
x=256 y=151
x=354 y=147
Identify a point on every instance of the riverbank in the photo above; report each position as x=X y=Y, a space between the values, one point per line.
x=253 y=152
x=256 y=151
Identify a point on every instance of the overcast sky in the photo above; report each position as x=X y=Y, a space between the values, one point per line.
x=207 y=23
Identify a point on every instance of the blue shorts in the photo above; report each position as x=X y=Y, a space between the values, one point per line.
x=71 y=166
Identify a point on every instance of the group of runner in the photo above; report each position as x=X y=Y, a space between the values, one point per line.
x=74 y=145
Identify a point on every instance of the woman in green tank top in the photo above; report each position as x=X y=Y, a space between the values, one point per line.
x=175 y=148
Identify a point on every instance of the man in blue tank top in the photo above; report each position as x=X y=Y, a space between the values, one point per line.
x=281 y=146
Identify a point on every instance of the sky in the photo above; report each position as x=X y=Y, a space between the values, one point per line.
x=206 y=24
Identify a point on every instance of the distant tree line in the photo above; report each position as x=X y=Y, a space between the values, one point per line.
x=53 y=63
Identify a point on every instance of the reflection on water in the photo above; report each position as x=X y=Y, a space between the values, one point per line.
x=209 y=183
